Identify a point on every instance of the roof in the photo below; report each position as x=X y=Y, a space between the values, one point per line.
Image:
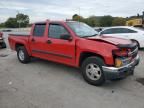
x=58 y=21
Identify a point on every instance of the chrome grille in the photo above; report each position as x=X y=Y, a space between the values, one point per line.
x=134 y=52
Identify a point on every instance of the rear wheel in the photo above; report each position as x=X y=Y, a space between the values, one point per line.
x=22 y=55
x=92 y=71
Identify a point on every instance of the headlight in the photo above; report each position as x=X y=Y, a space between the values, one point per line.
x=121 y=52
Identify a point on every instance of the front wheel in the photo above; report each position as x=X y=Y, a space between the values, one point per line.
x=22 y=55
x=92 y=71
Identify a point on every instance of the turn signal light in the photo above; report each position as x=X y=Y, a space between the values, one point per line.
x=118 y=63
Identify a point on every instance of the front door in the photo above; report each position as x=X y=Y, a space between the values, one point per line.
x=57 y=49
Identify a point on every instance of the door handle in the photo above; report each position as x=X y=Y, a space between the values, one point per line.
x=49 y=42
x=33 y=40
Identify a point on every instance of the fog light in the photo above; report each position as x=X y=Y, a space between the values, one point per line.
x=118 y=63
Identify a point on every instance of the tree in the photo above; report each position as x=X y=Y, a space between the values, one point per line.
x=92 y=21
x=76 y=17
x=11 y=23
x=22 y=19
x=118 y=21
x=2 y=25
x=106 y=21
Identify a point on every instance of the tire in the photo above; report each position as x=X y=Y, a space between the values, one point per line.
x=3 y=45
x=22 y=55
x=92 y=71
x=132 y=71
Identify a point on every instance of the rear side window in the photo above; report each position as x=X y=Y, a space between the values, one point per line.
x=125 y=30
x=39 y=30
x=56 y=30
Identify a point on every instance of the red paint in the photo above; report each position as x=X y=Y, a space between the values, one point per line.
x=67 y=52
x=1 y=34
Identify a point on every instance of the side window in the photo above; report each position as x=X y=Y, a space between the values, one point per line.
x=107 y=31
x=56 y=30
x=129 y=31
x=118 y=30
x=123 y=30
x=39 y=30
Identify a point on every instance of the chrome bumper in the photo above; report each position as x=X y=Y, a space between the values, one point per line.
x=114 y=72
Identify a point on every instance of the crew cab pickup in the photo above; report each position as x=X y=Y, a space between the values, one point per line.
x=100 y=58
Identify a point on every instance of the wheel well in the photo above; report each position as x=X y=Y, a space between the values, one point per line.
x=85 y=55
x=18 y=45
x=136 y=41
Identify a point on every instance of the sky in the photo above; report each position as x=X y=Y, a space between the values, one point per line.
x=39 y=10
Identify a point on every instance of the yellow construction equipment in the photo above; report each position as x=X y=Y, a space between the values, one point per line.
x=134 y=22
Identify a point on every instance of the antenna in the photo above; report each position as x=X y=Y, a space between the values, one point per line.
x=19 y=21
x=79 y=15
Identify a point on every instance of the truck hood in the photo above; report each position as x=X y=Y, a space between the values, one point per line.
x=111 y=40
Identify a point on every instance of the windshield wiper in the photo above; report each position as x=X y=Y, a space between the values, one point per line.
x=89 y=36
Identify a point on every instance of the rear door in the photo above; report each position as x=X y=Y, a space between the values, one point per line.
x=37 y=39
x=57 y=49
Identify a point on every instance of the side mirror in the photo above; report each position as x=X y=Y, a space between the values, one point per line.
x=100 y=34
x=66 y=37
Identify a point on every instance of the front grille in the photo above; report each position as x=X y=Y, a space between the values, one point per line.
x=134 y=47
x=134 y=52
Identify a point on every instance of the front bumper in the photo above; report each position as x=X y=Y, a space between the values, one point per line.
x=114 y=72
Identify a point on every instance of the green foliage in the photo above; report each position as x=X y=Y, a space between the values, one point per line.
x=2 y=25
x=21 y=20
x=91 y=21
x=76 y=17
x=106 y=21
x=11 y=23
x=118 y=21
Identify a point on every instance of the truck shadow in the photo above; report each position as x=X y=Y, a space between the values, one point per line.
x=57 y=68
x=69 y=72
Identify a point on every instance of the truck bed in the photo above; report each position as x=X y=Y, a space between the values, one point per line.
x=18 y=38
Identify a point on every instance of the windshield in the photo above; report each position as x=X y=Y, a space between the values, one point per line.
x=81 y=29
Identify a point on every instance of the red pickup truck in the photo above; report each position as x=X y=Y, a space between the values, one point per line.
x=76 y=44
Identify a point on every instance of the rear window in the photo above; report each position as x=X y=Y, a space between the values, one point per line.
x=39 y=30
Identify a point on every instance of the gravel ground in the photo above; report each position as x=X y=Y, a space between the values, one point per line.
x=44 y=84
